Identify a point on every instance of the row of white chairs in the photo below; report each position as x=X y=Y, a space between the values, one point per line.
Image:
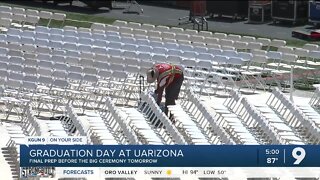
x=22 y=16
x=72 y=64
x=204 y=118
x=287 y=132
x=56 y=128
x=12 y=148
x=88 y=62
x=226 y=39
x=131 y=62
x=254 y=121
x=133 y=68
x=113 y=42
x=59 y=16
x=186 y=125
x=9 y=20
x=167 y=32
x=226 y=117
x=115 y=55
x=294 y=116
x=112 y=116
x=33 y=67
x=102 y=81
x=223 y=74
x=187 y=54
x=159 y=120
x=78 y=128
x=131 y=40
x=193 y=55
x=75 y=74
x=37 y=92
x=255 y=65
x=280 y=44
x=12 y=154
x=92 y=126
x=280 y=60
x=157 y=58
x=85 y=35
x=283 y=49
x=139 y=124
x=174 y=59
x=30 y=126
x=61 y=70
x=283 y=131
x=16 y=96
x=43 y=127
x=315 y=99
x=311 y=113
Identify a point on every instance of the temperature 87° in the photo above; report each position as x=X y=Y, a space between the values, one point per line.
x=272 y=160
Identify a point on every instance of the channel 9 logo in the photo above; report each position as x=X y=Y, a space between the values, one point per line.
x=27 y=172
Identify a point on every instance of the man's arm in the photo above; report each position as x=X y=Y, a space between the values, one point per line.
x=159 y=92
x=160 y=88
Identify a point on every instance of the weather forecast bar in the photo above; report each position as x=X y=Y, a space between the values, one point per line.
x=169 y=156
x=187 y=172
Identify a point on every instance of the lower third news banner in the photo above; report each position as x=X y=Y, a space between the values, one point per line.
x=189 y=161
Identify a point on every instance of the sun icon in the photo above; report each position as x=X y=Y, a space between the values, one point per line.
x=169 y=172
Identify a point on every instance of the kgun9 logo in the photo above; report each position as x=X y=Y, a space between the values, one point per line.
x=299 y=154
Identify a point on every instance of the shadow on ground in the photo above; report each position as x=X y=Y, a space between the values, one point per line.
x=288 y=24
x=226 y=19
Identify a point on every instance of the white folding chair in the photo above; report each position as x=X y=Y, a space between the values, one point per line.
x=160 y=50
x=18 y=20
x=181 y=36
x=58 y=17
x=46 y=15
x=311 y=47
x=275 y=44
x=129 y=54
x=220 y=35
x=5 y=23
x=154 y=33
x=170 y=59
x=168 y=35
x=136 y=32
x=60 y=65
x=120 y=23
x=72 y=60
x=286 y=49
x=142 y=55
x=134 y=25
x=148 y=27
x=265 y=42
x=113 y=38
x=101 y=65
x=31 y=21
x=100 y=43
x=109 y=27
x=157 y=44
